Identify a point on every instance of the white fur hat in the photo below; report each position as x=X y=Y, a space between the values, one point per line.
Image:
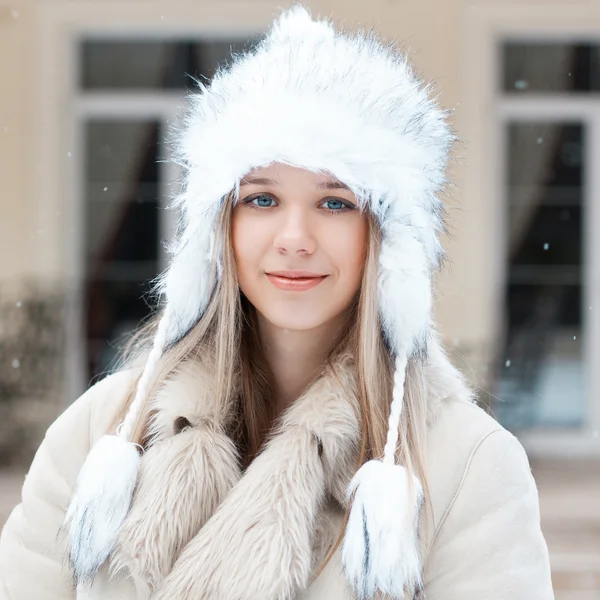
x=330 y=101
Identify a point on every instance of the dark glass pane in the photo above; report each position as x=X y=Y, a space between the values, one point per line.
x=550 y=67
x=540 y=370
x=117 y=307
x=151 y=64
x=122 y=229
x=545 y=196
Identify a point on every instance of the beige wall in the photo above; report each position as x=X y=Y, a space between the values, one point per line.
x=17 y=200
x=450 y=41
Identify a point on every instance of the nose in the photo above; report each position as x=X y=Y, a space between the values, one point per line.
x=295 y=235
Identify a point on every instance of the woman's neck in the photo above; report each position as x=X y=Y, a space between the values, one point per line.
x=294 y=356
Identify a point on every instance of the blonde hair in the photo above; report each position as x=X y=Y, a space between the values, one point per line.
x=227 y=332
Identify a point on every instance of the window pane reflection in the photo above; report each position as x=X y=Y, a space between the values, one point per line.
x=550 y=67
x=152 y=64
x=121 y=241
x=541 y=375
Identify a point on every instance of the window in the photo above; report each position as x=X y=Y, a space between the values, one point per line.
x=124 y=182
x=542 y=371
x=549 y=117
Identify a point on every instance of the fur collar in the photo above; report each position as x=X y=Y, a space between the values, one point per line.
x=199 y=528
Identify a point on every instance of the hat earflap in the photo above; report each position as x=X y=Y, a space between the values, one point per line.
x=380 y=549
x=104 y=488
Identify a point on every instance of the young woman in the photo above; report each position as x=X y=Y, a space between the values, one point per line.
x=290 y=427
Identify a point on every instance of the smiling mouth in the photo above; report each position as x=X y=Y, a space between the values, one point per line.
x=295 y=284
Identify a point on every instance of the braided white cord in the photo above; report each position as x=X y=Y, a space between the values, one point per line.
x=389 y=452
x=125 y=430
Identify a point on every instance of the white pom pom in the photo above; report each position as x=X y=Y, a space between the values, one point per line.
x=380 y=549
x=99 y=504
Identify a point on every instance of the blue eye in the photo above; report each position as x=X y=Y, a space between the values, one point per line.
x=340 y=205
x=259 y=198
x=260 y=201
x=337 y=207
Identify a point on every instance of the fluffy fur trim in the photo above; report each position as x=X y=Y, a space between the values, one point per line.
x=260 y=542
x=330 y=410
x=192 y=385
x=189 y=468
x=100 y=502
x=324 y=100
x=182 y=481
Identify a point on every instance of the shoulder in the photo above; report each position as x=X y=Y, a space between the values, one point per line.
x=486 y=540
x=70 y=437
x=88 y=417
x=465 y=446
x=460 y=424
x=106 y=399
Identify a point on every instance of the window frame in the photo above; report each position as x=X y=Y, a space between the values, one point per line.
x=549 y=107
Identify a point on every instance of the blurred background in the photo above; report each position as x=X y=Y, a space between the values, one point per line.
x=89 y=92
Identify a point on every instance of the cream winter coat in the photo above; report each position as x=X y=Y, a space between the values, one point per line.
x=222 y=541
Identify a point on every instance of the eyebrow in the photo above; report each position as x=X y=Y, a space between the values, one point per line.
x=330 y=184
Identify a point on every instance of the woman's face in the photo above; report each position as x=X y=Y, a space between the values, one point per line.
x=298 y=223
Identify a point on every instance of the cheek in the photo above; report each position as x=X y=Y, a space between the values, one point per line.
x=250 y=242
x=243 y=246
x=350 y=250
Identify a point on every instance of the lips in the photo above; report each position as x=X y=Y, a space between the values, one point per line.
x=295 y=284
x=296 y=274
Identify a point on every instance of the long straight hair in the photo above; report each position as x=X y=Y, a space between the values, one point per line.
x=227 y=333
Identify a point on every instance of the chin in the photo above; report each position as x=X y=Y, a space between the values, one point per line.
x=298 y=320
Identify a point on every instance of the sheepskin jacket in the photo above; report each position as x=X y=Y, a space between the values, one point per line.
x=201 y=529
